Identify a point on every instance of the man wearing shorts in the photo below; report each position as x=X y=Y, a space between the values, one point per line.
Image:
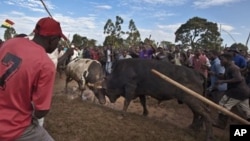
x=237 y=93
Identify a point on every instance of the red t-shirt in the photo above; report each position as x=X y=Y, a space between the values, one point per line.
x=199 y=64
x=26 y=75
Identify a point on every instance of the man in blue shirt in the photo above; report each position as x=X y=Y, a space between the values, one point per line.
x=216 y=71
x=238 y=59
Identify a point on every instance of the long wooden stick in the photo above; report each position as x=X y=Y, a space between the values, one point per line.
x=47 y=10
x=200 y=97
x=247 y=40
x=45 y=7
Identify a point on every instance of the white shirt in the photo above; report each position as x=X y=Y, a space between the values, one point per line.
x=124 y=57
x=75 y=55
x=54 y=56
x=108 y=55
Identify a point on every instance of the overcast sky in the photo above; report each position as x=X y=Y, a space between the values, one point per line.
x=158 y=18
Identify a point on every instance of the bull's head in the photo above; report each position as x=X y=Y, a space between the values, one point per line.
x=109 y=91
x=113 y=94
x=98 y=90
x=103 y=89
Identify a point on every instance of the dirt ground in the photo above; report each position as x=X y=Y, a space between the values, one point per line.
x=72 y=119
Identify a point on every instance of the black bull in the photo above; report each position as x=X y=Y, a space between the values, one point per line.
x=132 y=78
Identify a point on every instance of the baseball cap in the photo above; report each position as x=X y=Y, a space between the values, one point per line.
x=49 y=27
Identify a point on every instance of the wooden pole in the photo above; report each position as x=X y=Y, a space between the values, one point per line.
x=200 y=97
x=47 y=10
x=247 y=40
x=45 y=7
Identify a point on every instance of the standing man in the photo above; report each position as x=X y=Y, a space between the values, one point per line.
x=200 y=62
x=124 y=55
x=146 y=51
x=238 y=59
x=216 y=71
x=26 y=82
x=161 y=54
x=237 y=93
x=109 y=56
x=75 y=54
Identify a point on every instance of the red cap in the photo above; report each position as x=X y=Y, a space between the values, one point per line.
x=49 y=27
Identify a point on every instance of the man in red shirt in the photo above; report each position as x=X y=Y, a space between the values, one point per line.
x=1 y=42
x=200 y=62
x=26 y=82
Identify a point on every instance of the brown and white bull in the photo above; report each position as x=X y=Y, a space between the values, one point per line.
x=88 y=74
x=132 y=78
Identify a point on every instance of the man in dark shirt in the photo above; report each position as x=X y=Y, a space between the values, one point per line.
x=237 y=92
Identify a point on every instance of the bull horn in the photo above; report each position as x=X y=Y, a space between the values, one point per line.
x=93 y=85
x=99 y=87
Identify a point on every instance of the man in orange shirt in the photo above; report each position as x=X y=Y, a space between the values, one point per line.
x=26 y=82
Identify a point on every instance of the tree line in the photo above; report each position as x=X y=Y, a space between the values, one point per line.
x=195 y=33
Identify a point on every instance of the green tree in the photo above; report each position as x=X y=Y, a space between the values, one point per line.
x=77 y=40
x=108 y=40
x=240 y=46
x=85 y=41
x=199 y=33
x=166 y=44
x=92 y=42
x=118 y=28
x=150 y=41
x=109 y=27
x=80 y=41
x=134 y=36
x=114 y=32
